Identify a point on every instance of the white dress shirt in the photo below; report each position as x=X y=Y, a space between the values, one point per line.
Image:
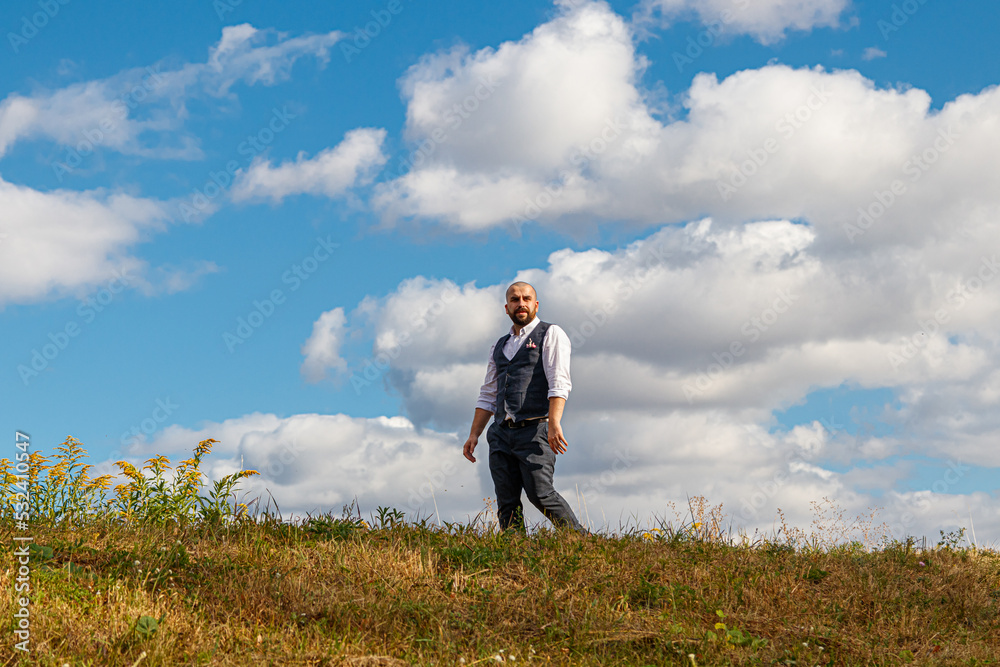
x=555 y=360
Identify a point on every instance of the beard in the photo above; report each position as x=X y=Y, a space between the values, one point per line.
x=521 y=317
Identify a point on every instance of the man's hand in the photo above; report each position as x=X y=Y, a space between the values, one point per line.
x=478 y=424
x=556 y=439
x=470 y=446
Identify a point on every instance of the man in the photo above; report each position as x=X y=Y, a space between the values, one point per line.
x=527 y=384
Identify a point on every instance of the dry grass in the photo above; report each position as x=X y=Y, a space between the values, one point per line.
x=334 y=592
x=167 y=572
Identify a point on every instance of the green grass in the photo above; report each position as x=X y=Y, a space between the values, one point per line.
x=229 y=588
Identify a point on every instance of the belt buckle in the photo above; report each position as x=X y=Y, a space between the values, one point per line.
x=524 y=422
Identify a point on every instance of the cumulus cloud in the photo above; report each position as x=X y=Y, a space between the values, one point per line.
x=685 y=344
x=312 y=463
x=322 y=349
x=846 y=245
x=65 y=243
x=141 y=111
x=330 y=173
x=618 y=473
x=766 y=20
x=568 y=147
x=420 y=332
x=703 y=317
x=526 y=105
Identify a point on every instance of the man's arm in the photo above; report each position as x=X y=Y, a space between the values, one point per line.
x=556 y=439
x=484 y=407
x=556 y=351
x=479 y=421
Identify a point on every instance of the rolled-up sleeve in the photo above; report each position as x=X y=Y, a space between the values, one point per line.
x=556 y=350
x=488 y=392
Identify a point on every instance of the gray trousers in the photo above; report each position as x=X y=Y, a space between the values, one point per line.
x=521 y=459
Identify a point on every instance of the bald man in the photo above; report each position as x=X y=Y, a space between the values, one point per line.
x=527 y=384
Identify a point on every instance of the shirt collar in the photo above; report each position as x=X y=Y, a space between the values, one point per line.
x=528 y=328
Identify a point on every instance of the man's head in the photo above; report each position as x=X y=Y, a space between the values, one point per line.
x=522 y=304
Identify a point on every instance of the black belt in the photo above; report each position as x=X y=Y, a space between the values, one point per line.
x=524 y=422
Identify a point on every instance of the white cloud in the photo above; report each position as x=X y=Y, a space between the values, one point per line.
x=330 y=173
x=168 y=279
x=766 y=20
x=322 y=349
x=618 y=472
x=565 y=137
x=242 y=54
x=141 y=111
x=686 y=342
x=702 y=317
x=319 y=463
x=69 y=243
x=528 y=106
x=873 y=52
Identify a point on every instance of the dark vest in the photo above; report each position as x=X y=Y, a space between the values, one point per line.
x=522 y=387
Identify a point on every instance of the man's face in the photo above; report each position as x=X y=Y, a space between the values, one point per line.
x=521 y=305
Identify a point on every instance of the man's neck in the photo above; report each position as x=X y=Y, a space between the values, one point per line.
x=518 y=328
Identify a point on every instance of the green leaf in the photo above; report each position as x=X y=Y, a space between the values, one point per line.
x=146 y=626
x=74 y=569
x=815 y=575
x=40 y=551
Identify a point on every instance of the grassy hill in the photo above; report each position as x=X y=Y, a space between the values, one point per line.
x=199 y=588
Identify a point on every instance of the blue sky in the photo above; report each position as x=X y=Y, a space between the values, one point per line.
x=211 y=155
